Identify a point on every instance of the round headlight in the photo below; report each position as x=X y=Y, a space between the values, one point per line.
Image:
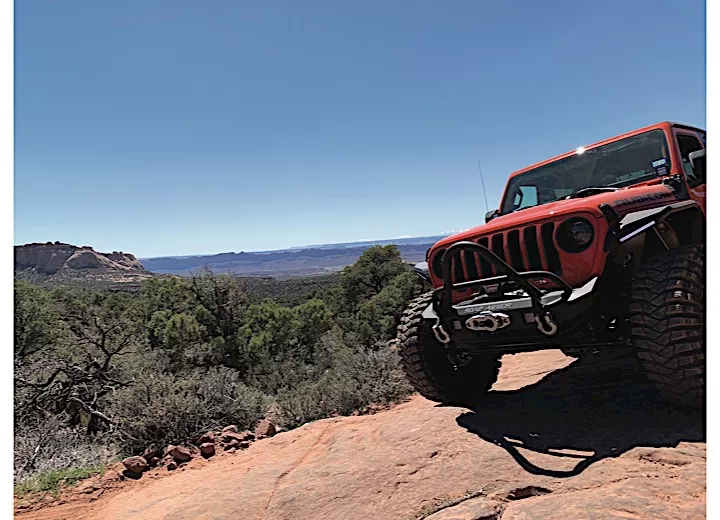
x=575 y=235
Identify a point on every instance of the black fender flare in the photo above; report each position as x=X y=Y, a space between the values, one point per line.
x=672 y=225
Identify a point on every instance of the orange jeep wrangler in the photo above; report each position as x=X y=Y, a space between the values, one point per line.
x=598 y=248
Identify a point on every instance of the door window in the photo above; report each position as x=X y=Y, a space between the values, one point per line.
x=688 y=144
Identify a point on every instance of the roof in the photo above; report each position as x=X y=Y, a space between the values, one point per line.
x=660 y=125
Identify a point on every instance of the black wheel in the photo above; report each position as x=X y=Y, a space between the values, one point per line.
x=667 y=318
x=428 y=368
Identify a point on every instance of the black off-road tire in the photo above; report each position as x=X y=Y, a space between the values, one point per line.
x=667 y=318
x=428 y=368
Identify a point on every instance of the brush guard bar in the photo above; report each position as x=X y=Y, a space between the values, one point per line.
x=534 y=300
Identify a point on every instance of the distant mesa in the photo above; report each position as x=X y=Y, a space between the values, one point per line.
x=54 y=257
x=60 y=262
x=321 y=259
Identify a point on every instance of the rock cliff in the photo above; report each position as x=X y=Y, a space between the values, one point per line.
x=53 y=257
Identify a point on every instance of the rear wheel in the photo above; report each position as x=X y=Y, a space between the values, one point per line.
x=667 y=316
x=428 y=368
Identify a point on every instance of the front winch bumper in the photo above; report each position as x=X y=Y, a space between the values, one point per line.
x=516 y=301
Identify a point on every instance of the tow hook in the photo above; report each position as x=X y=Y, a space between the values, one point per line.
x=488 y=321
x=440 y=333
x=545 y=324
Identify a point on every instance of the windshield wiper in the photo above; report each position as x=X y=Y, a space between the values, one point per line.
x=586 y=192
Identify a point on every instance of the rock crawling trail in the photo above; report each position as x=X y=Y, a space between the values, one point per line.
x=551 y=441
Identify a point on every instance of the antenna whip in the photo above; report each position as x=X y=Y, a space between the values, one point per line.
x=482 y=181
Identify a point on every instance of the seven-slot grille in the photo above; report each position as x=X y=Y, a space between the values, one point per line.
x=531 y=248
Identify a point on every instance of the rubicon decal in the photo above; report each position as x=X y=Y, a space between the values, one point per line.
x=638 y=199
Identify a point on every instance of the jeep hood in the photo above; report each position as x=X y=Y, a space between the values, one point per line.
x=631 y=198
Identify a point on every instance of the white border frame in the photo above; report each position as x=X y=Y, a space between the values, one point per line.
x=7 y=192
x=712 y=46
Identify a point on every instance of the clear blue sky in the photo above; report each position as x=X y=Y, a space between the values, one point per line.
x=179 y=127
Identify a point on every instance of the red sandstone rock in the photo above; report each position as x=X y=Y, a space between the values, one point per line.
x=409 y=461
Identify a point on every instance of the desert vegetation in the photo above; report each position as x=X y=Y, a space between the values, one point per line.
x=101 y=374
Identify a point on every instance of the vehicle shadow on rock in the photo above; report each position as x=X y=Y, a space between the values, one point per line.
x=600 y=408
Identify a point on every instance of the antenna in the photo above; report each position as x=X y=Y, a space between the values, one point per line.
x=482 y=182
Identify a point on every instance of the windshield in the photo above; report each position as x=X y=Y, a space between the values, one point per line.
x=617 y=164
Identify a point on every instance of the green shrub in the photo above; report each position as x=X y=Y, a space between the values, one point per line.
x=99 y=375
x=51 y=480
x=357 y=380
x=50 y=447
x=163 y=408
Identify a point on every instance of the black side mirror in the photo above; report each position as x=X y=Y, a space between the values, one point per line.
x=422 y=271
x=697 y=159
x=491 y=215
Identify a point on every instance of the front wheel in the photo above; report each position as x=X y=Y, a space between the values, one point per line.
x=667 y=317
x=428 y=368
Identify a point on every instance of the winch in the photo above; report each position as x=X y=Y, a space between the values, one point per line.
x=488 y=321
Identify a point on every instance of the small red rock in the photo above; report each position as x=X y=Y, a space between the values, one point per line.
x=110 y=476
x=247 y=435
x=230 y=436
x=207 y=449
x=181 y=454
x=204 y=439
x=172 y=465
x=232 y=444
x=135 y=464
x=230 y=428
x=87 y=487
x=244 y=445
x=151 y=452
x=265 y=428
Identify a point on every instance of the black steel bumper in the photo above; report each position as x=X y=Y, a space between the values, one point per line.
x=514 y=311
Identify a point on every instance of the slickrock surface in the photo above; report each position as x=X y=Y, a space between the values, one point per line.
x=578 y=443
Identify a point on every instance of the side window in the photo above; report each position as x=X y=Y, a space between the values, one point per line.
x=525 y=197
x=688 y=144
